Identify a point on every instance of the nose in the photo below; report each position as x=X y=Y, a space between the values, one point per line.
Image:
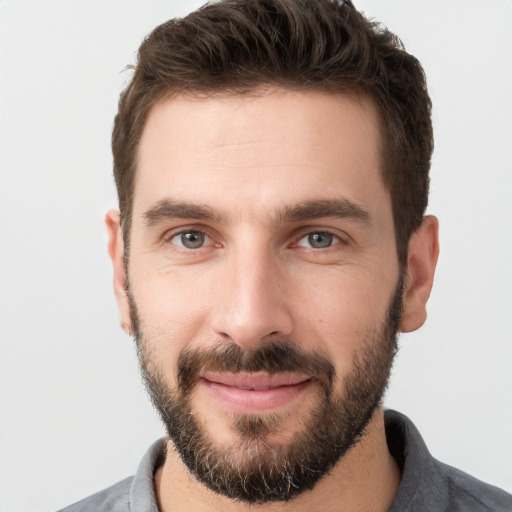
x=252 y=305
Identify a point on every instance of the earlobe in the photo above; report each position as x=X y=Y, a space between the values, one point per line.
x=116 y=252
x=421 y=266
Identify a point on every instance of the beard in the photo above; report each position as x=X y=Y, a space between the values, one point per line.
x=252 y=468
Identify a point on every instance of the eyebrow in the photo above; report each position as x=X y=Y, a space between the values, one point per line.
x=171 y=209
x=308 y=210
x=336 y=208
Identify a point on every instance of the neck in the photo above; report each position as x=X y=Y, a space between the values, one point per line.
x=366 y=478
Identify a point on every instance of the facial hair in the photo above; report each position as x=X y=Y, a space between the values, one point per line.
x=251 y=469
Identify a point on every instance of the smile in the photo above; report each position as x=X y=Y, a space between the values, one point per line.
x=254 y=393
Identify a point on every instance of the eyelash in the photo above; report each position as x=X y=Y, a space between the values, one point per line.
x=337 y=239
x=169 y=236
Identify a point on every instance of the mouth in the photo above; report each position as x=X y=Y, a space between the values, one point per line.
x=250 y=393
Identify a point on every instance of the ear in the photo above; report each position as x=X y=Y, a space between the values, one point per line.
x=421 y=266
x=116 y=252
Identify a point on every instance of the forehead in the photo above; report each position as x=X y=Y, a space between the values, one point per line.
x=264 y=150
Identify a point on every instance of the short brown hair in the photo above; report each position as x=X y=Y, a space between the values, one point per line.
x=236 y=46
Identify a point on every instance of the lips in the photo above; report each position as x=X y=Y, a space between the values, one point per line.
x=254 y=392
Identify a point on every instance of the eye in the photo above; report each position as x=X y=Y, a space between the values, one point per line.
x=190 y=239
x=318 y=240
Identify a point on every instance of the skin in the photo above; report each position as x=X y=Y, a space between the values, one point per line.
x=256 y=277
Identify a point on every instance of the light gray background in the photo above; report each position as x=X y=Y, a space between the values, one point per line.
x=74 y=416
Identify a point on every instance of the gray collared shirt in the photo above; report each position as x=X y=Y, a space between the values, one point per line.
x=427 y=485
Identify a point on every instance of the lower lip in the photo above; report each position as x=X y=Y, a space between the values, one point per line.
x=247 y=401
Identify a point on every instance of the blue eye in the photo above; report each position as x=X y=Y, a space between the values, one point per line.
x=190 y=239
x=318 y=240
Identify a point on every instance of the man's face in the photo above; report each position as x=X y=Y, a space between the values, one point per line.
x=264 y=281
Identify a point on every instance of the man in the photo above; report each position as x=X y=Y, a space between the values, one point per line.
x=271 y=160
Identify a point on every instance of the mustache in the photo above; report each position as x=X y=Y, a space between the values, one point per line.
x=271 y=358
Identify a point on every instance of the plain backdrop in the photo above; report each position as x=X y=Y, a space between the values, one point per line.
x=74 y=417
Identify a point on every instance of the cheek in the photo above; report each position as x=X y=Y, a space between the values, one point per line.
x=339 y=314
x=171 y=310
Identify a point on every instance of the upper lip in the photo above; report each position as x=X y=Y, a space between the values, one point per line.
x=255 y=381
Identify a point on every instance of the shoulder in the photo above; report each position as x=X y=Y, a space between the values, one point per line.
x=428 y=484
x=468 y=493
x=133 y=493
x=115 y=498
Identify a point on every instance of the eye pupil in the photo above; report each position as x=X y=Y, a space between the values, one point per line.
x=320 y=240
x=192 y=239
